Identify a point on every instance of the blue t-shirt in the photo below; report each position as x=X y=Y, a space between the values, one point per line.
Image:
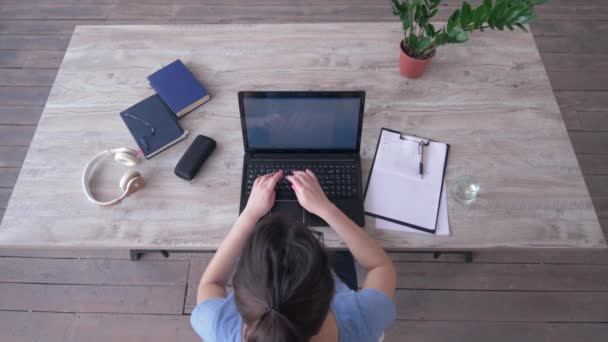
x=361 y=316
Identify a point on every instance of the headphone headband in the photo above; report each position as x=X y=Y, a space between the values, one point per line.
x=122 y=155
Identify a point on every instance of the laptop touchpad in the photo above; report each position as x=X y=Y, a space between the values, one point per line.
x=290 y=209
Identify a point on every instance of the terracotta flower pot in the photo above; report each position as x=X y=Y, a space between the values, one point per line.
x=411 y=67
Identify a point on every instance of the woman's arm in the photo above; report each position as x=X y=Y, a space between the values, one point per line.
x=381 y=273
x=217 y=274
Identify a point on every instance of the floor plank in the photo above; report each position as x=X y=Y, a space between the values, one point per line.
x=91 y=298
x=31 y=59
x=502 y=306
x=5 y=194
x=574 y=62
x=34 y=42
x=589 y=142
x=24 y=96
x=433 y=331
x=597 y=184
x=20 y=115
x=8 y=176
x=84 y=253
x=16 y=135
x=34 y=326
x=44 y=27
x=582 y=101
x=27 y=77
x=93 y=271
x=593 y=164
x=132 y=328
x=593 y=121
x=518 y=277
x=12 y=156
x=578 y=80
x=601 y=206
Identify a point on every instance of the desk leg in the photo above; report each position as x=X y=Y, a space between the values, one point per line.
x=468 y=257
x=135 y=254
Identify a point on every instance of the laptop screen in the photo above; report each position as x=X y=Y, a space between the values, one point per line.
x=327 y=123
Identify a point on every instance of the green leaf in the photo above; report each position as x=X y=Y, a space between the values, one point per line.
x=454 y=20
x=429 y=29
x=481 y=15
x=462 y=37
x=413 y=41
x=466 y=16
x=425 y=43
x=521 y=27
x=396 y=7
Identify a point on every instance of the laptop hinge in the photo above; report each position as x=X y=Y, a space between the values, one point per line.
x=304 y=156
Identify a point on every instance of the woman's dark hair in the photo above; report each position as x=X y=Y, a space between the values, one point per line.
x=283 y=284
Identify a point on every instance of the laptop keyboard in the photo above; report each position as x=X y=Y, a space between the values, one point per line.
x=337 y=179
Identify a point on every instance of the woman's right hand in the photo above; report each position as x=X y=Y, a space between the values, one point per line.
x=309 y=192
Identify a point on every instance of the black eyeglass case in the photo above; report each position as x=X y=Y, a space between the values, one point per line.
x=194 y=157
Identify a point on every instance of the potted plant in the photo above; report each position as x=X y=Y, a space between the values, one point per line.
x=421 y=38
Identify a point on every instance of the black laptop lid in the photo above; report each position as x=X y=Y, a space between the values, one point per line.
x=297 y=121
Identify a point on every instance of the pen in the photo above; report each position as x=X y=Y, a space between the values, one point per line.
x=420 y=151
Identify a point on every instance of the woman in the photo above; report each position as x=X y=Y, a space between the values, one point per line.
x=284 y=289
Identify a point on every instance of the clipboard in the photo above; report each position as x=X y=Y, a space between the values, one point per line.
x=395 y=192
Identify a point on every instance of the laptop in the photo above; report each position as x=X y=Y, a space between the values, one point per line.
x=298 y=130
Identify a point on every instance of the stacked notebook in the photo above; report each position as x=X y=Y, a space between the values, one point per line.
x=153 y=121
x=401 y=194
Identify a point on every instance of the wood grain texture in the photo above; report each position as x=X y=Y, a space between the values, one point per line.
x=93 y=271
x=27 y=77
x=594 y=163
x=132 y=328
x=30 y=59
x=496 y=80
x=494 y=277
x=589 y=142
x=601 y=205
x=34 y=42
x=594 y=121
x=502 y=306
x=4 y=196
x=24 y=96
x=8 y=176
x=34 y=326
x=12 y=135
x=12 y=156
x=92 y=298
x=432 y=331
x=20 y=115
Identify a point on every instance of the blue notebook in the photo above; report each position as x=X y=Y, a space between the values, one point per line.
x=153 y=125
x=178 y=87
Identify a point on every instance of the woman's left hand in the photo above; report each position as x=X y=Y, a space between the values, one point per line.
x=262 y=195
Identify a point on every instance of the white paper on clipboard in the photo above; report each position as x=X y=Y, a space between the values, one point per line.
x=396 y=190
x=443 y=222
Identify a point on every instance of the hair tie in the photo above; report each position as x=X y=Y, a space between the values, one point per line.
x=270 y=308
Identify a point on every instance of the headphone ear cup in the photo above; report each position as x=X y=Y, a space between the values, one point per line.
x=131 y=181
x=126 y=158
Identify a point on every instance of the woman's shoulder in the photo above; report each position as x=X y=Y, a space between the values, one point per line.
x=363 y=315
x=217 y=319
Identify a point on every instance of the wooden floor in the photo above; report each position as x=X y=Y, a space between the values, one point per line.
x=100 y=295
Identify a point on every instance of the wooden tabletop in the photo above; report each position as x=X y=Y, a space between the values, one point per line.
x=490 y=99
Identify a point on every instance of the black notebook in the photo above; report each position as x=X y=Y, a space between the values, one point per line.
x=153 y=125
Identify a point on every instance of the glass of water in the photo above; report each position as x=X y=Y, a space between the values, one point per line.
x=465 y=189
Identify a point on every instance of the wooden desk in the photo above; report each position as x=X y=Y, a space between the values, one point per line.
x=490 y=99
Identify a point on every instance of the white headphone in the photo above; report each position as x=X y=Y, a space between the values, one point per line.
x=130 y=182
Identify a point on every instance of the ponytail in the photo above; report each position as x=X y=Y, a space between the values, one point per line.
x=283 y=285
x=273 y=327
